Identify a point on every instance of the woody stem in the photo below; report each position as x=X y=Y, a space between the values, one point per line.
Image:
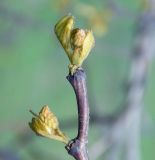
x=77 y=147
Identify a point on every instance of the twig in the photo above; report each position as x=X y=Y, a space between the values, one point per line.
x=77 y=147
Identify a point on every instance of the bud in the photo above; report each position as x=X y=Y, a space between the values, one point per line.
x=77 y=38
x=46 y=124
x=76 y=42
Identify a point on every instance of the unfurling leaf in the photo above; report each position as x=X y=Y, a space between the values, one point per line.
x=46 y=124
x=77 y=43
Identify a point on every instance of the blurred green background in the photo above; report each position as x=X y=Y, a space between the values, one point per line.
x=33 y=67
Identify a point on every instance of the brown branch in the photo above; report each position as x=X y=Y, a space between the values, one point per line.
x=77 y=146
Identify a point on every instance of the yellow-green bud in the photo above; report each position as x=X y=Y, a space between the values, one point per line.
x=77 y=38
x=77 y=43
x=46 y=124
